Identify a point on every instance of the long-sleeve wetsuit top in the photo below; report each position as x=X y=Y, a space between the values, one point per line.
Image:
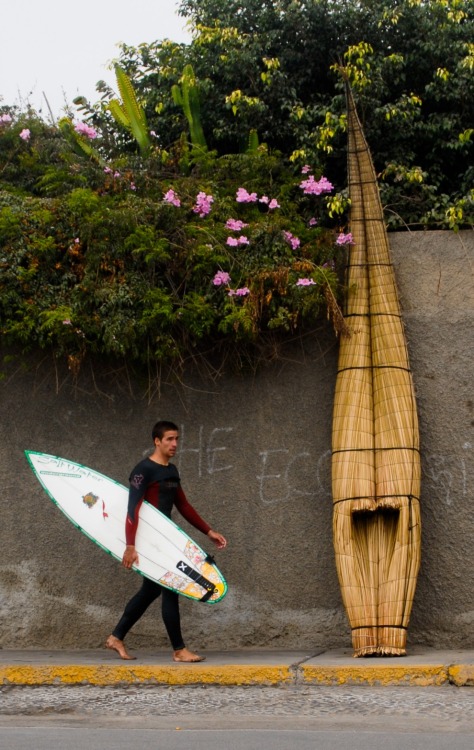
x=161 y=487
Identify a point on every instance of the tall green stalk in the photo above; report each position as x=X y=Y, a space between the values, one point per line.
x=187 y=96
x=129 y=113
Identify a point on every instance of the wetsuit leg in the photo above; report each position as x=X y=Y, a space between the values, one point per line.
x=171 y=618
x=136 y=607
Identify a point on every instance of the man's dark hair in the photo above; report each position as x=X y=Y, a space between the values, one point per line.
x=161 y=427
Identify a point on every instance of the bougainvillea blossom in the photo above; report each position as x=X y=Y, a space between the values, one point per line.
x=221 y=278
x=345 y=239
x=316 y=187
x=203 y=204
x=83 y=129
x=241 y=292
x=272 y=204
x=293 y=241
x=243 y=196
x=235 y=225
x=235 y=241
x=172 y=198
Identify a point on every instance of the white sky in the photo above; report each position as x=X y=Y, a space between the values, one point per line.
x=63 y=47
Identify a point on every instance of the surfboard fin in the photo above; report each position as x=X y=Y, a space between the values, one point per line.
x=207 y=595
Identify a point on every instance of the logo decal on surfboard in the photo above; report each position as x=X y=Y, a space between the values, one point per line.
x=90 y=499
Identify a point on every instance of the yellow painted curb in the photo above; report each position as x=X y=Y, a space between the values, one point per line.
x=192 y=674
x=184 y=674
x=462 y=675
x=374 y=675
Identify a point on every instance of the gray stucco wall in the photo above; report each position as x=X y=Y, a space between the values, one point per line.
x=255 y=460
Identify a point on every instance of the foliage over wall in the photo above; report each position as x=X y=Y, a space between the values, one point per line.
x=189 y=214
x=155 y=262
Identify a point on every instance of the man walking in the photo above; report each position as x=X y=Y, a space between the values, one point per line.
x=157 y=480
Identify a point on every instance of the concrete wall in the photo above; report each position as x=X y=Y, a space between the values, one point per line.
x=255 y=460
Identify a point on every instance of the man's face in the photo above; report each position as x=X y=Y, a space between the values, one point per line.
x=168 y=444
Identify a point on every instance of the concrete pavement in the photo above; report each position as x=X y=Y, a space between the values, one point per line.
x=422 y=667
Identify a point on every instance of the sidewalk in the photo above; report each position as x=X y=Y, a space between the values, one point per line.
x=422 y=667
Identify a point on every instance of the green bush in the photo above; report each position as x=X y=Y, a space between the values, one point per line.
x=110 y=265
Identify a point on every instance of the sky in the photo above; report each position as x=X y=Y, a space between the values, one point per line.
x=63 y=48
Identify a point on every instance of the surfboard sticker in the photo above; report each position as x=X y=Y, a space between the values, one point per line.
x=97 y=506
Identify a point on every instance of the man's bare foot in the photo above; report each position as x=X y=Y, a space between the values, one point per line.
x=184 y=655
x=119 y=646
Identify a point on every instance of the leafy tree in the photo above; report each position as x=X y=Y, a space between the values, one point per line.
x=272 y=67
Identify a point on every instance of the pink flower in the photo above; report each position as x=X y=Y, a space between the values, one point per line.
x=203 y=204
x=5 y=118
x=107 y=170
x=242 y=292
x=306 y=169
x=67 y=322
x=345 y=239
x=243 y=196
x=133 y=186
x=221 y=277
x=77 y=241
x=235 y=225
x=116 y=174
x=171 y=197
x=312 y=222
x=83 y=129
x=25 y=134
x=293 y=241
x=305 y=282
x=234 y=241
x=273 y=203
x=313 y=187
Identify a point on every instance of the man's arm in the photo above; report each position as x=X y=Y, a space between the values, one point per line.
x=135 y=499
x=189 y=513
x=192 y=516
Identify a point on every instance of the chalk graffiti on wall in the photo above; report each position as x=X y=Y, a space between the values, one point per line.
x=209 y=452
x=449 y=473
x=276 y=472
x=279 y=467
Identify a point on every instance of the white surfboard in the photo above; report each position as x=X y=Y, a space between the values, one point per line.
x=97 y=505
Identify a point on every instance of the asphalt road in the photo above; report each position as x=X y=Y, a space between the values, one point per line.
x=234 y=739
x=237 y=718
